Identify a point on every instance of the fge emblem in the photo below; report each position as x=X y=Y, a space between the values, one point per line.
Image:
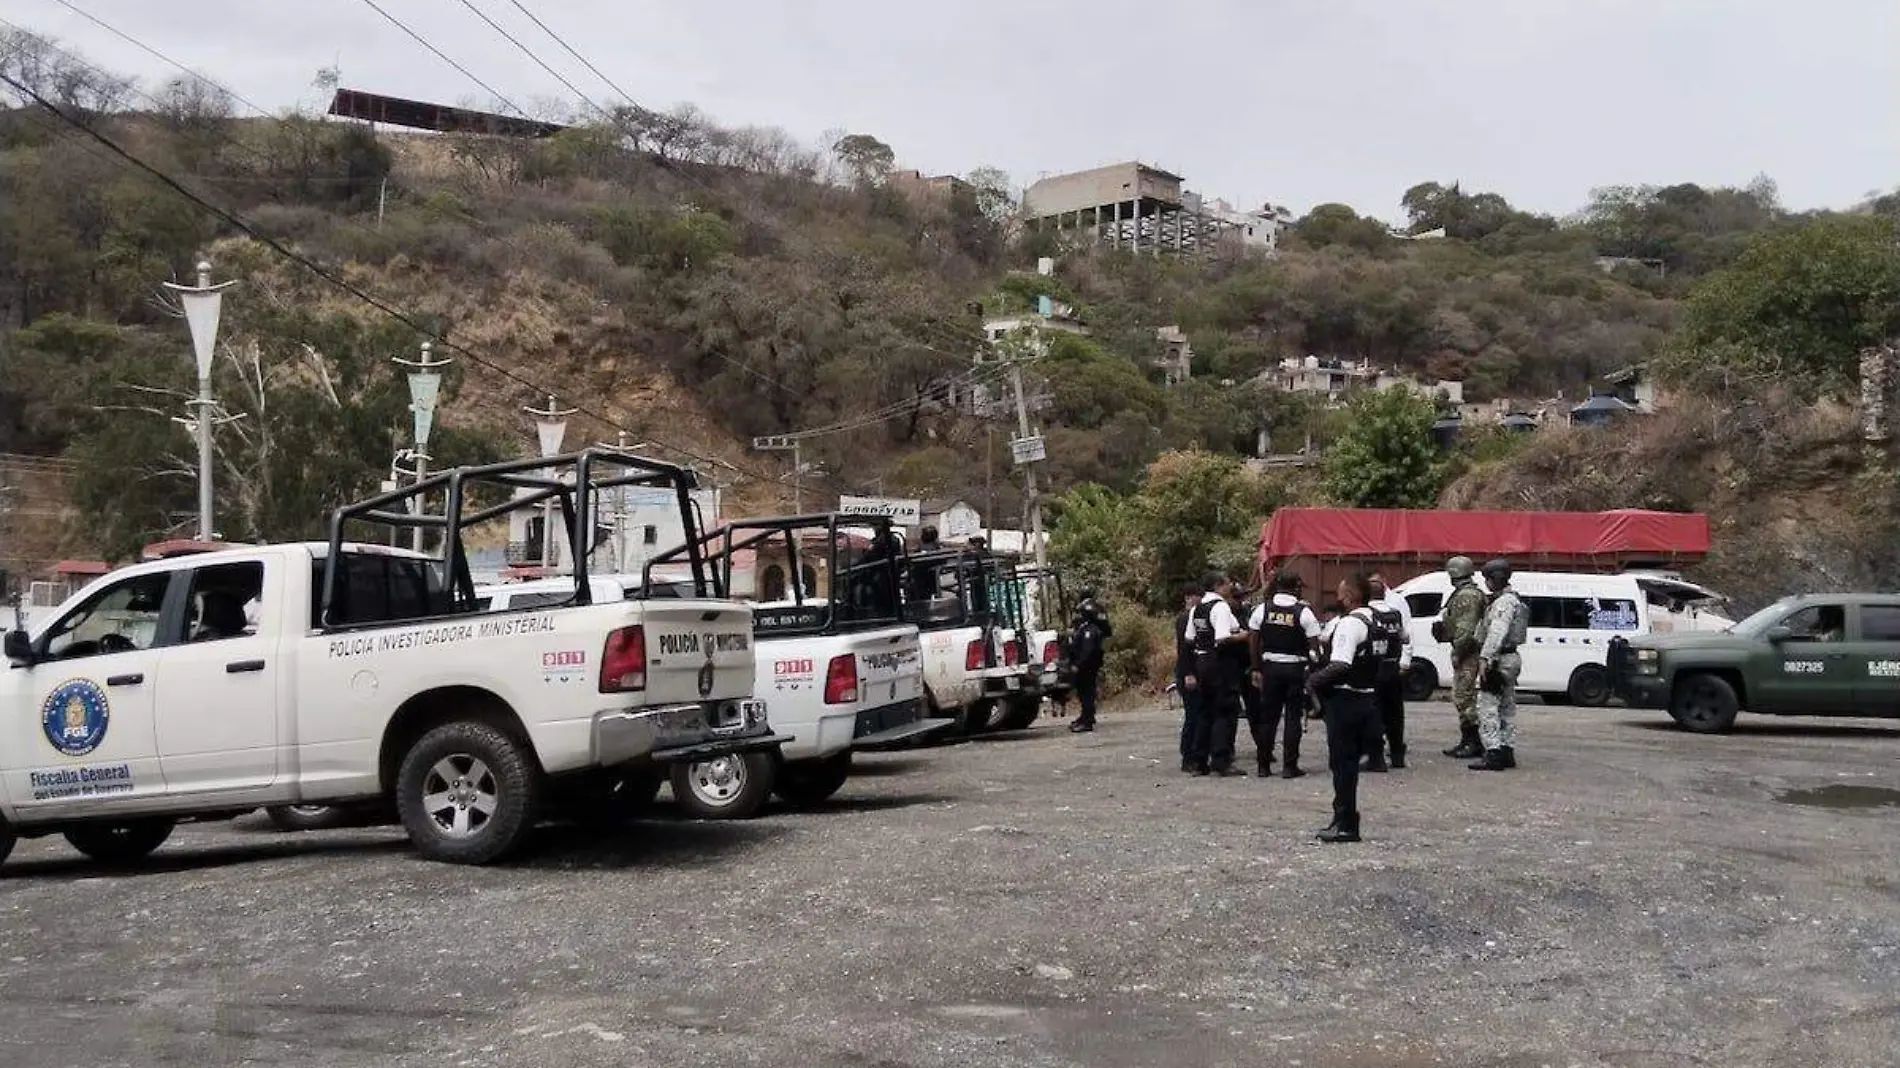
x=74 y=716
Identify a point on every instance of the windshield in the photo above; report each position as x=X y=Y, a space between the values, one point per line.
x=1757 y=624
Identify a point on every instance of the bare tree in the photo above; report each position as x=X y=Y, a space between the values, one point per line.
x=66 y=81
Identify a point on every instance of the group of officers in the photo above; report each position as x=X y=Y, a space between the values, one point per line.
x=1346 y=665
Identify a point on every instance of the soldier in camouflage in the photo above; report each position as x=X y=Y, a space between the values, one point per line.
x=1463 y=618
x=1506 y=623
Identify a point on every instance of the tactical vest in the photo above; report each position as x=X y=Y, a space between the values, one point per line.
x=1202 y=619
x=1377 y=658
x=1280 y=629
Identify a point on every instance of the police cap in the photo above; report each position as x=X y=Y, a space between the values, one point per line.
x=1460 y=568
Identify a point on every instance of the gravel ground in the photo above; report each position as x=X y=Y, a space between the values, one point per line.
x=1631 y=896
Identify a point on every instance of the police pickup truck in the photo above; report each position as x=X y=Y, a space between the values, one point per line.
x=1821 y=655
x=838 y=665
x=202 y=687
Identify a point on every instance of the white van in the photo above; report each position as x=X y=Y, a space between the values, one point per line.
x=1573 y=618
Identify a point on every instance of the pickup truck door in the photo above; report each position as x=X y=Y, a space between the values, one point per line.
x=1809 y=671
x=218 y=709
x=1876 y=656
x=79 y=734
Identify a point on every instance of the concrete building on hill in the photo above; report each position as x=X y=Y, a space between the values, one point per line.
x=1143 y=209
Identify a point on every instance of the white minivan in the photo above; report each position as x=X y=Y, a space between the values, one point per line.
x=1573 y=618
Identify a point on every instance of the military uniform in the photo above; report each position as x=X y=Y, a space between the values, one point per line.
x=1463 y=622
x=1506 y=624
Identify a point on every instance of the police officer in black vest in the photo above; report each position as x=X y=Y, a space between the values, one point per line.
x=1220 y=669
x=1284 y=634
x=1362 y=648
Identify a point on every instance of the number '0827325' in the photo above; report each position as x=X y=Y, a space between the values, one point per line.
x=1803 y=667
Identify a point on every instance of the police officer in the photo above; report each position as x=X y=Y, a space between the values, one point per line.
x=1184 y=683
x=1284 y=634
x=1345 y=686
x=1506 y=622
x=1397 y=616
x=1088 y=640
x=1220 y=664
x=1459 y=628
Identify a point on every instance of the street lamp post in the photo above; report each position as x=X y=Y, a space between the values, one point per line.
x=550 y=426
x=620 y=501
x=425 y=385
x=203 y=304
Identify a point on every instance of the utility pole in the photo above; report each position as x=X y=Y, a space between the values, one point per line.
x=1028 y=451
x=788 y=443
x=620 y=501
x=550 y=426
x=425 y=385
x=203 y=304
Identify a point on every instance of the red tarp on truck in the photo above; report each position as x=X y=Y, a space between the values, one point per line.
x=1408 y=542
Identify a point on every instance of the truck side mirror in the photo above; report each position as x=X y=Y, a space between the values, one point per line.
x=19 y=647
x=1777 y=635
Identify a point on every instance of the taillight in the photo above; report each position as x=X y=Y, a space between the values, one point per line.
x=1012 y=653
x=623 y=661
x=841 y=680
x=973 y=656
x=1051 y=652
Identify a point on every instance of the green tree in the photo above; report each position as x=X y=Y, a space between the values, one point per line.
x=1799 y=306
x=867 y=159
x=1338 y=224
x=995 y=194
x=1386 y=458
x=1092 y=535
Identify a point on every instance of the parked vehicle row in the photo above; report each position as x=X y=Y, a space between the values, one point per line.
x=343 y=680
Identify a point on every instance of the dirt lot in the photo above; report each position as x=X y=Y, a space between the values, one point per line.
x=1632 y=896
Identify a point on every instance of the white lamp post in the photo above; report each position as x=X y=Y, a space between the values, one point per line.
x=550 y=426
x=203 y=303
x=425 y=385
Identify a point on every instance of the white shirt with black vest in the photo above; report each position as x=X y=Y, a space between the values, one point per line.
x=1394 y=603
x=1220 y=617
x=1309 y=624
x=1349 y=633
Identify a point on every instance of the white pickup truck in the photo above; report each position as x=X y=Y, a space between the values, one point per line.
x=203 y=687
x=946 y=594
x=839 y=669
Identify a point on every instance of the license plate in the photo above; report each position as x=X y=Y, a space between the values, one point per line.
x=1015 y=684
x=754 y=711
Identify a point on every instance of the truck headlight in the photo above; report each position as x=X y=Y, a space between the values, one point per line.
x=1647 y=662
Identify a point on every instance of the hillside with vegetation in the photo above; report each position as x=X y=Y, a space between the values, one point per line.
x=695 y=285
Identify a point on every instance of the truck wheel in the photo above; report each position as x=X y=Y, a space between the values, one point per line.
x=731 y=787
x=608 y=799
x=1421 y=682
x=1589 y=686
x=1705 y=704
x=307 y=817
x=7 y=841
x=1019 y=714
x=467 y=793
x=974 y=718
x=810 y=784
x=120 y=843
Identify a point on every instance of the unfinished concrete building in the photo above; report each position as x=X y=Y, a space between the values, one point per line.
x=1136 y=207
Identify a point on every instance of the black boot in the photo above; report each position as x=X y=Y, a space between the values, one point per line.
x=1291 y=771
x=1398 y=756
x=1493 y=760
x=1375 y=763
x=1343 y=829
x=1510 y=756
x=1468 y=743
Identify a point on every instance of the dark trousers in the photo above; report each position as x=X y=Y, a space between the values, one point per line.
x=1352 y=732
x=1212 y=744
x=1088 y=678
x=1391 y=698
x=1190 y=715
x=1282 y=699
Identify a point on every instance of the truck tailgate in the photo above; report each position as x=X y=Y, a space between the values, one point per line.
x=890 y=665
x=697 y=650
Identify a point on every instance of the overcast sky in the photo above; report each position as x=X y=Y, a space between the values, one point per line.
x=1296 y=102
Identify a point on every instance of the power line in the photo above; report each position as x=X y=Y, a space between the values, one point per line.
x=149 y=50
x=327 y=275
x=558 y=39
x=439 y=54
x=512 y=39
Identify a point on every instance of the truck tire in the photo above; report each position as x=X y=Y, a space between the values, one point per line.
x=7 y=841
x=974 y=718
x=1589 y=686
x=811 y=783
x=120 y=843
x=467 y=793
x=1705 y=704
x=307 y=817
x=608 y=799
x=1421 y=682
x=1019 y=713
x=733 y=787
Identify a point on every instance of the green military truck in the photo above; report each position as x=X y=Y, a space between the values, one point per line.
x=1816 y=655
